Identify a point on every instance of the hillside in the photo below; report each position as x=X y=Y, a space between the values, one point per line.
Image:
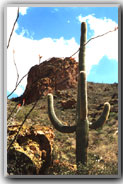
x=103 y=143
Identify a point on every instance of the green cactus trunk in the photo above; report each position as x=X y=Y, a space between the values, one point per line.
x=82 y=124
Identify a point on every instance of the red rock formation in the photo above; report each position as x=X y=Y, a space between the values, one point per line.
x=49 y=76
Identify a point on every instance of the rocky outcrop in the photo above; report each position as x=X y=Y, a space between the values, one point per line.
x=49 y=76
x=31 y=153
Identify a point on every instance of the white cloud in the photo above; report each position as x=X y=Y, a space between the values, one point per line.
x=23 y=10
x=11 y=17
x=106 y=45
x=55 y=10
x=27 y=55
x=27 y=50
x=28 y=34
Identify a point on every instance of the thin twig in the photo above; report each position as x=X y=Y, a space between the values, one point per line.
x=22 y=125
x=100 y=35
x=13 y=28
x=40 y=58
x=95 y=38
x=15 y=68
x=75 y=52
x=17 y=85
x=30 y=88
x=12 y=112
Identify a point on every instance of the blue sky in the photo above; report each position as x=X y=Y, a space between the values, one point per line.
x=105 y=72
x=60 y=21
x=43 y=29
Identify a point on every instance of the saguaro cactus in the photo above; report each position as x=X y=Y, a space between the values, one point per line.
x=82 y=124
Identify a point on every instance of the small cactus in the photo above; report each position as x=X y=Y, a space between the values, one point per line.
x=82 y=124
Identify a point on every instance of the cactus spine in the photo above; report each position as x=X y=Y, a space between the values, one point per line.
x=82 y=124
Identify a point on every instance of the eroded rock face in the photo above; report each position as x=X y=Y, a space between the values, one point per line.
x=49 y=76
x=31 y=153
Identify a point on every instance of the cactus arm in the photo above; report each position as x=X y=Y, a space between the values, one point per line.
x=55 y=121
x=100 y=122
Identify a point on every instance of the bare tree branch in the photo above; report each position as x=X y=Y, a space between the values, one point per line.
x=70 y=56
x=22 y=125
x=12 y=112
x=17 y=85
x=101 y=35
x=95 y=38
x=75 y=53
x=15 y=68
x=13 y=28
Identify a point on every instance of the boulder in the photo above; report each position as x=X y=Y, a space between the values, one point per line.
x=31 y=153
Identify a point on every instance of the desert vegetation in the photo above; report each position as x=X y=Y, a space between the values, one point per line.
x=103 y=142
